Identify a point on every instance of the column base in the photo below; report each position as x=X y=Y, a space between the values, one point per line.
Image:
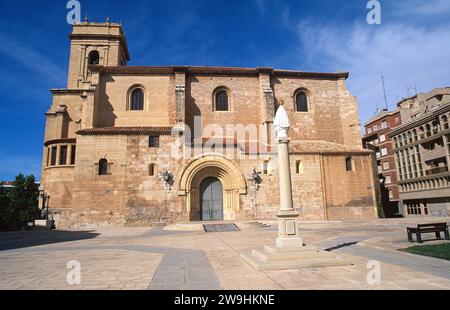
x=288 y=236
x=289 y=243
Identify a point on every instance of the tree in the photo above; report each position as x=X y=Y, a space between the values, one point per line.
x=20 y=204
x=6 y=213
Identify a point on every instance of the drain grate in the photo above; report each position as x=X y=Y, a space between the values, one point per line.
x=220 y=227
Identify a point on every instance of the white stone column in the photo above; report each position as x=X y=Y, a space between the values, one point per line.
x=287 y=215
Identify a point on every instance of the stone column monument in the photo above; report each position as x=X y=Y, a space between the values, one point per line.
x=289 y=252
x=288 y=236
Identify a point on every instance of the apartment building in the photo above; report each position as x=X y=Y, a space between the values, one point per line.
x=377 y=139
x=422 y=155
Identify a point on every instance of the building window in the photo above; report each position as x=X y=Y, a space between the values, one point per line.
x=94 y=58
x=391 y=195
x=48 y=157
x=301 y=102
x=386 y=165
x=137 y=100
x=388 y=179
x=397 y=120
x=53 y=156
x=369 y=130
x=299 y=169
x=72 y=155
x=103 y=167
x=152 y=171
x=375 y=127
x=266 y=167
x=349 y=164
x=384 y=152
x=63 y=155
x=384 y=125
x=382 y=138
x=221 y=101
x=153 y=142
x=445 y=122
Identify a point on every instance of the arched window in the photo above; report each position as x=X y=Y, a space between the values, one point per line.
x=301 y=102
x=103 y=167
x=349 y=164
x=221 y=99
x=94 y=58
x=137 y=100
x=152 y=171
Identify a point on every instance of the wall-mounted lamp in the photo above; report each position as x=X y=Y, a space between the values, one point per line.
x=257 y=180
x=168 y=178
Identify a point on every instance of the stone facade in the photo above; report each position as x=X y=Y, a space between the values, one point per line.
x=102 y=166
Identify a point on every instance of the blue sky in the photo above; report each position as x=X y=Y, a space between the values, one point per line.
x=411 y=47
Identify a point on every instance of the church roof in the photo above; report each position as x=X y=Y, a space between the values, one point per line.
x=199 y=70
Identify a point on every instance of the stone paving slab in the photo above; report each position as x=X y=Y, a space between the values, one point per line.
x=143 y=258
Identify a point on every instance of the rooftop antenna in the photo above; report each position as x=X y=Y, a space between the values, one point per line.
x=86 y=18
x=108 y=19
x=415 y=87
x=408 y=92
x=384 y=91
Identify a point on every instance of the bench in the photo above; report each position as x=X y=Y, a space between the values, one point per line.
x=436 y=228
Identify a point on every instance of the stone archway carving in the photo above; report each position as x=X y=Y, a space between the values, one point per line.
x=229 y=174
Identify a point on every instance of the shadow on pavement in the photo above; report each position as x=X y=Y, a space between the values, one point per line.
x=26 y=239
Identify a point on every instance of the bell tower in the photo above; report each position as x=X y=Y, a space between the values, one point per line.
x=101 y=44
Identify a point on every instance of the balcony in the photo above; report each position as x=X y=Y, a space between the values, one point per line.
x=433 y=154
x=436 y=170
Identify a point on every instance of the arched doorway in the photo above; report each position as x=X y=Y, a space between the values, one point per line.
x=211 y=199
x=232 y=182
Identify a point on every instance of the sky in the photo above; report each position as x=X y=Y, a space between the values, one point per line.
x=411 y=48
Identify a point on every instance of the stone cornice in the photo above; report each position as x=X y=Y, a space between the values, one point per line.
x=111 y=131
x=60 y=141
x=227 y=71
x=63 y=91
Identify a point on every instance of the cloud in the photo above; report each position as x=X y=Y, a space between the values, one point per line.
x=29 y=58
x=406 y=54
x=422 y=8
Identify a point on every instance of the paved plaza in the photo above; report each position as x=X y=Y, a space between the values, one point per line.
x=184 y=257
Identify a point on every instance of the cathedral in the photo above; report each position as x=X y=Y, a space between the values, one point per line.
x=134 y=146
